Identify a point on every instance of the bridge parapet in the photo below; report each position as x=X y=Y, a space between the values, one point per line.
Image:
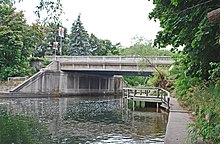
x=111 y=59
x=112 y=64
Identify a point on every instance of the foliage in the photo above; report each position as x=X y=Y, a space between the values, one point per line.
x=185 y=23
x=79 y=40
x=103 y=47
x=207 y=124
x=155 y=78
x=20 y=129
x=36 y=34
x=83 y=44
x=134 y=81
x=142 y=47
x=15 y=47
x=202 y=98
x=182 y=80
x=53 y=8
x=215 y=71
x=51 y=35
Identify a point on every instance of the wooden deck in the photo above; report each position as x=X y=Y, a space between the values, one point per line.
x=159 y=96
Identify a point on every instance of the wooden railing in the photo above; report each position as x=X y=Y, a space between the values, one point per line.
x=148 y=94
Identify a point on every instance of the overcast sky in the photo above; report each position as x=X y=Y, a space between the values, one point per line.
x=116 y=20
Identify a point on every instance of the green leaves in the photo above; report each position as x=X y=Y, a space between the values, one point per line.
x=15 y=43
x=185 y=24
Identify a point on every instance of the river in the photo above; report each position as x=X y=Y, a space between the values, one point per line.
x=90 y=119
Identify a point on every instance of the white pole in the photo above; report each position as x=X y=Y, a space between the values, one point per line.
x=61 y=46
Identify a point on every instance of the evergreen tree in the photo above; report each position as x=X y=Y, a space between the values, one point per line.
x=79 y=40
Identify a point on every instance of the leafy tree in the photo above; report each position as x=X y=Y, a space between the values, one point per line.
x=38 y=33
x=143 y=47
x=51 y=35
x=53 y=8
x=110 y=49
x=79 y=40
x=14 y=45
x=103 y=47
x=96 y=45
x=185 y=23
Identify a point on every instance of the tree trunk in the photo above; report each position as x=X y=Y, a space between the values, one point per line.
x=214 y=16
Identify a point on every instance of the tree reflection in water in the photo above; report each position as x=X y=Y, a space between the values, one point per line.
x=86 y=120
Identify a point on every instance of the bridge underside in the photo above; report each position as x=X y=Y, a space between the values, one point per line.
x=110 y=72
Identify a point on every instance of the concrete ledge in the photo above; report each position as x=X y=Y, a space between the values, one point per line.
x=43 y=95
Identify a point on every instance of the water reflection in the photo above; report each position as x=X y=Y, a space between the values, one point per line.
x=91 y=119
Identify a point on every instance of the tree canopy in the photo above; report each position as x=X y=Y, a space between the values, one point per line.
x=185 y=23
x=143 y=47
x=15 y=42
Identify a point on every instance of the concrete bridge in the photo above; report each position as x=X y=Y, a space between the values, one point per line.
x=87 y=75
x=111 y=65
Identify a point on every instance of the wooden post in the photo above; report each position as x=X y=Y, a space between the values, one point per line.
x=157 y=107
x=127 y=93
x=133 y=104
x=158 y=92
x=168 y=103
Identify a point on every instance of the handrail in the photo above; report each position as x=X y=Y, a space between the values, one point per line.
x=162 y=94
x=108 y=58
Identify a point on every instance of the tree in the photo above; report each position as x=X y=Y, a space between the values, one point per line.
x=143 y=47
x=15 y=43
x=185 y=23
x=53 y=8
x=79 y=39
x=51 y=35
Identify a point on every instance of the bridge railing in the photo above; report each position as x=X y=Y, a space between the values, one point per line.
x=111 y=59
x=148 y=92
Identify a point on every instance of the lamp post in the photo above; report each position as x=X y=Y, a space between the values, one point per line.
x=61 y=35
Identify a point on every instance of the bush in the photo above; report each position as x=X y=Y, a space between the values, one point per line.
x=134 y=81
x=204 y=101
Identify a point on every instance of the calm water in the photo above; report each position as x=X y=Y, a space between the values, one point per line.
x=91 y=119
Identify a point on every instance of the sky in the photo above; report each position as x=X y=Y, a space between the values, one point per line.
x=116 y=20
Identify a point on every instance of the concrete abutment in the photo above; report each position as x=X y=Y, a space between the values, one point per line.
x=57 y=82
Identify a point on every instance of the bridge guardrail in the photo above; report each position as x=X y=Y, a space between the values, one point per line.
x=104 y=59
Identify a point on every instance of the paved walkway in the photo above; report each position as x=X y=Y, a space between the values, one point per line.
x=176 y=131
